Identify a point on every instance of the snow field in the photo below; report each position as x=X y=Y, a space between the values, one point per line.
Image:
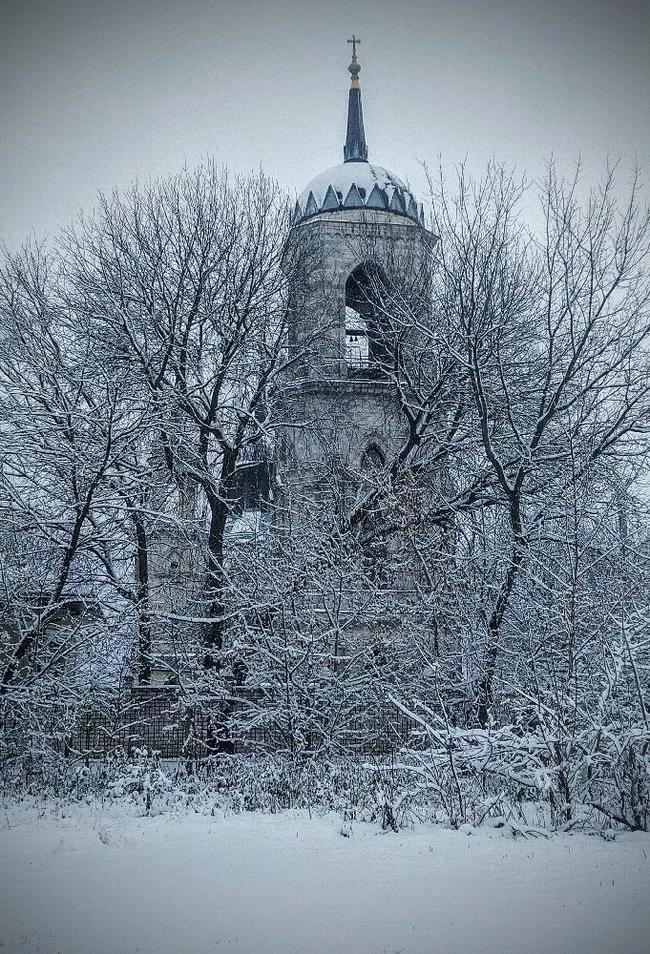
x=88 y=880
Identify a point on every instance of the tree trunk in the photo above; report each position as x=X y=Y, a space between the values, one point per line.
x=142 y=598
x=484 y=689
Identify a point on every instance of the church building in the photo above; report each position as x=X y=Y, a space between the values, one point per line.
x=346 y=426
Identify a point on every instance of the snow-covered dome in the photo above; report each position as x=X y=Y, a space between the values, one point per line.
x=355 y=185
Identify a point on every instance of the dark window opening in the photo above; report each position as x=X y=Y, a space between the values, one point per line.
x=252 y=486
x=372 y=460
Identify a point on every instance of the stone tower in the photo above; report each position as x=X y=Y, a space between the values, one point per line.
x=358 y=247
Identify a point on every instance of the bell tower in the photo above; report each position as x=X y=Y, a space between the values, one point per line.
x=358 y=253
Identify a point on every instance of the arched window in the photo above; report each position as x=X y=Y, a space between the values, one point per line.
x=372 y=460
x=367 y=347
x=252 y=486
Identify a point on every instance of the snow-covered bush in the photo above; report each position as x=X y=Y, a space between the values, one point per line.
x=142 y=777
x=467 y=775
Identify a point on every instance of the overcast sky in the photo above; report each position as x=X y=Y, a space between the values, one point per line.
x=96 y=93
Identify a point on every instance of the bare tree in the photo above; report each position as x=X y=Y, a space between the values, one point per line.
x=146 y=386
x=181 y=283
x=65 y=428
x=550 y=334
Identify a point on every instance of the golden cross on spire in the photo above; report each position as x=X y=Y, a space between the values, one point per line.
x=354 y=42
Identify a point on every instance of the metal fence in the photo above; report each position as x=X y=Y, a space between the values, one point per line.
x=162 y=720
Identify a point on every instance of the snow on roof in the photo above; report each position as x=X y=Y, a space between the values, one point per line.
x=357 y=185
x=354 y=321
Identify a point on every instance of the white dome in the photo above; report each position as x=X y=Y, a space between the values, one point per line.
x=354 y=185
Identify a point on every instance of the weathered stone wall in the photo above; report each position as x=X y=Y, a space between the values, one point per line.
x=329 y=247
x=335 y=412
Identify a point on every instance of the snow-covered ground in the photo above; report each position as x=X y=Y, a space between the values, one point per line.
x=92 y=880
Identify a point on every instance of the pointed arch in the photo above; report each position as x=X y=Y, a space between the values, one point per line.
x=373 y=459
x=366 y=293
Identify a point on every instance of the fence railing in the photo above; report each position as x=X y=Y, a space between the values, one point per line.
x=162 y=720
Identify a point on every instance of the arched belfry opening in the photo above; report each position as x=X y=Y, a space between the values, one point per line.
x=367 y=348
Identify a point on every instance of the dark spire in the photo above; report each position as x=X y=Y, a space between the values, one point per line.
x=355 y=149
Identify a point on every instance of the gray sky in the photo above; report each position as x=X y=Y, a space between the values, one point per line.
x=96 y=93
